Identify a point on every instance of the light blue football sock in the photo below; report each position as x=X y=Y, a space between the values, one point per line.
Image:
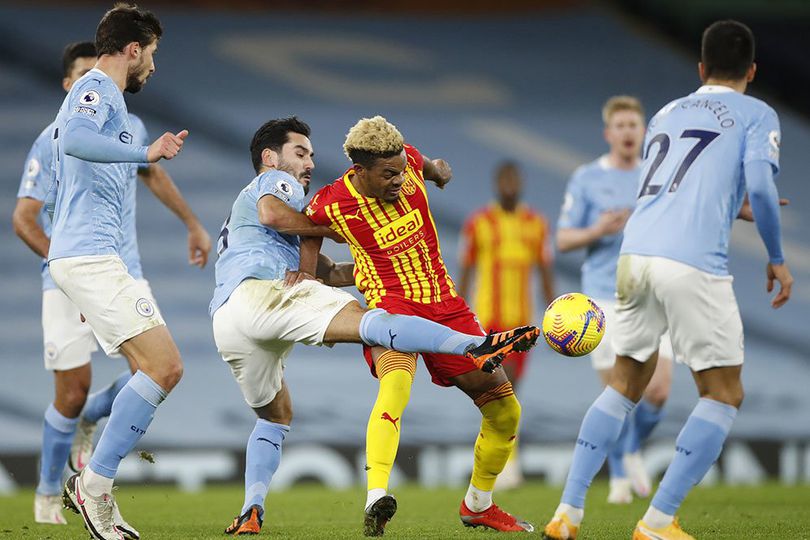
x=407 y=333
x=132 y=412
x=57 y=436
x=261 y=460
x=600 y=430
x=641 y=423
x=698 y=446
x=99 y=404
x=615 y=457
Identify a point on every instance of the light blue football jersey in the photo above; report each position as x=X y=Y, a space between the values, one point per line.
x=36 y=184
x=692 y=182
x=90 y=196
x=595 y=188
x=129 y=248
x=248 y=249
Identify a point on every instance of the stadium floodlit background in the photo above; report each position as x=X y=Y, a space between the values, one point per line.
x=463 y=81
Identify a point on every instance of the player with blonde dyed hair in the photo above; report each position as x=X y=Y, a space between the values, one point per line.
x=598 y=202
x=380 y=207
x=375 y=136
x=258 y=316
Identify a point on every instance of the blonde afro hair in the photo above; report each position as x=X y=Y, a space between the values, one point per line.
x=372 y=137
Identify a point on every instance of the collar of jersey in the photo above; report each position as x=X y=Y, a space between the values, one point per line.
x=604 y=164
x=713 y=89
x=350 y=186
x=98 y=70
x=497 y=208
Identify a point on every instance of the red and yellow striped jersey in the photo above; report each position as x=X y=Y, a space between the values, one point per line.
x=505 y=248
x=395 y=246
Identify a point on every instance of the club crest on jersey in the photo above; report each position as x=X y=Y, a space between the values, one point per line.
x=401 y=234
x=409 y=187
x=144 y=307
x=90 y=97
x=33 y=167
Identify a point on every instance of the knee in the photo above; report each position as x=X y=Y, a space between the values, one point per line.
x=169 y=374
x=735 y=397
x=506 y=418
x=70 y=401
x=732 y=395
x=277 y=414
x=630 y=389
x=657 y=395
x=284 y=416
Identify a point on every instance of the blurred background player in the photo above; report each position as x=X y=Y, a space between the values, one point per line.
x=503 y=244
x=68 y=341
x=380 y=207
x=261 y=310
x=94 y=157
x=703 y=152
x=598 y=201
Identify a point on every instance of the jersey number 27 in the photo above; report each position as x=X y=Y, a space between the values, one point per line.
x=704 y=138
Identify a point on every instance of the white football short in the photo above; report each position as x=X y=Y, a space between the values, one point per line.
x=603 y=357
x=117 y=306
x=700 y=310
x=257 y=327
x=69 y=343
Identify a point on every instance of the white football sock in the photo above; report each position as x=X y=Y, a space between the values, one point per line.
x=373 y=496
x=94 y=484
x=656 y=519
x=574 y=514
x=477 y=500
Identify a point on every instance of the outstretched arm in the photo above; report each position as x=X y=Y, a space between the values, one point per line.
x=437 y=171
x=333 y=273
x=279 y=216
x=83 y=140
x=609 y=223
x=161 y=185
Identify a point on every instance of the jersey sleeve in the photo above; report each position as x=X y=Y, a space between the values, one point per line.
x=469 y=241
x=283 y=187
x=36 y=178
x=414 y=157
x=316 y=209
x=93 y=101
x=575 y=205
x=762 y=139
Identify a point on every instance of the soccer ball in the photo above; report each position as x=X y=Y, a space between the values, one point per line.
x=573 y=324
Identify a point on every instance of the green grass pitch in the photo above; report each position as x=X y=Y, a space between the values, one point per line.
x=769 y=511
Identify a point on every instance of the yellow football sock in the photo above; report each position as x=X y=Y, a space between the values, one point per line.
x=395 y=371
x=499 y=426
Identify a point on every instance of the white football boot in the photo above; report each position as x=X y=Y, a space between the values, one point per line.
x=129 y=532
x=637 y=472
x=48 y=509
x=82 y=447
x=620 y=491
x=98 y=513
